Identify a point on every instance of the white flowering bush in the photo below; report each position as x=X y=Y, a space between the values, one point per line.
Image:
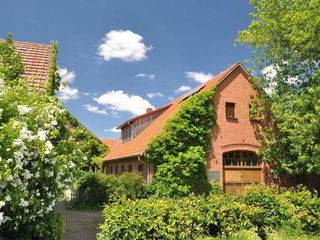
x=38 y=160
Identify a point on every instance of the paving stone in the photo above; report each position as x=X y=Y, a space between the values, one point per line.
x=79 y=225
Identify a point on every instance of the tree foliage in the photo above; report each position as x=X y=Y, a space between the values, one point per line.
x=285 y=35
x=180 y=151
x=41 y=153
x=11 y=67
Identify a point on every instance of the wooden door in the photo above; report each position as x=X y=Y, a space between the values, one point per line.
x=240 y=168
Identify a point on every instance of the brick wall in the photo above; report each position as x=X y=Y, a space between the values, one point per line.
x=237 y=134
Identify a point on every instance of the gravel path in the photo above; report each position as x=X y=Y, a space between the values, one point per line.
x=79 y=225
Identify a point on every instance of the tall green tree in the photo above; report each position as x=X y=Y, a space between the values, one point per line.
x=285 y=35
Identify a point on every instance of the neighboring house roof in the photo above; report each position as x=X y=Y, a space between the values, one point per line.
x=36 y=59
x=138 y=145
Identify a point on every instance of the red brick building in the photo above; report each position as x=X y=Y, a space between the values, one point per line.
x=232 y=160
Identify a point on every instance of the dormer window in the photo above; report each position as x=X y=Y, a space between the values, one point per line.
x=230 y=110
x=126 y=134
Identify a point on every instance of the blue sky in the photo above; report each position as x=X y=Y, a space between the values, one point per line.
x=121 y=56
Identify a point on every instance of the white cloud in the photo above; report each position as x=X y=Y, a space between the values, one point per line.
x=199 y=76
x=124 y=45
x=95 y=109
x=170 y=98
x=120 y=101
x=85 y=93
x=114 y=130
x=141 y=75
x=66 y=76
x=144 y=75
x=183 y=89
x=152 y=95
x=67 y=93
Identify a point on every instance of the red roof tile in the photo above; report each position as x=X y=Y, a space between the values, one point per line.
x=138 y=145
x=36 y=59
x=110 y=143
x=144 y=115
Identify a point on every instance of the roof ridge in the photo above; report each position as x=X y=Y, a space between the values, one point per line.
x=44 y=44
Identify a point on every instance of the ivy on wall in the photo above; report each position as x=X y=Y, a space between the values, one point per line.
x=180 y=152
x=54 y=77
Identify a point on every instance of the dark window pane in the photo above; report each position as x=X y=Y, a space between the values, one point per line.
x=245 y=154
x=230 y=110
x=227 y=162
x=234 y=162
x=231 y=154
x=140 y=168
x=130 y=168
x=237 y=154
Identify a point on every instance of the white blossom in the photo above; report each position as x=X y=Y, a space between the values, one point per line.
x=27 y=175
x=23 y=110
x=42 y=135
x=1 y=217
x=54 y=123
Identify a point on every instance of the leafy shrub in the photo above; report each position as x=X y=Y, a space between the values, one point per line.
x=130 y=185
x=275 y=213
x=106 y=188
x=216 y=188
x=49 y=227
x=306 y=208
x=151 y=219
x=296 y=208
x=289 y=233
x=258 y=209
x=184 y=218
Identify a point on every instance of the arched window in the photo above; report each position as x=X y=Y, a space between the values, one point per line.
x=240 y=159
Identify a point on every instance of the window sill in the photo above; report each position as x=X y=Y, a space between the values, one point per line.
x=232 y=119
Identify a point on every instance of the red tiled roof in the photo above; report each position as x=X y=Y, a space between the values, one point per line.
x=110 y=143
x=36 y=59
x=138 y=145
x=144 y=115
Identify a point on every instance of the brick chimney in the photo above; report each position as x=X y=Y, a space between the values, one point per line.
x=149 y=110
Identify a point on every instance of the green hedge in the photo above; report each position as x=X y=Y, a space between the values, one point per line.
x=258 y=209
x=107 y=188
x=49 y=227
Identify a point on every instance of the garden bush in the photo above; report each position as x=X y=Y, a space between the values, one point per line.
x=216 y=188
x=107 y=188
x=213 y=216
x=49 y=227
